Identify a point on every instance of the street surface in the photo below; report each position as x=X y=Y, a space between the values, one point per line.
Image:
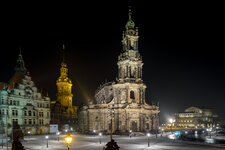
x=92 y=142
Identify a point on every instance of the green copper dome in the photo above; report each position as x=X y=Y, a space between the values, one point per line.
x=4 y=92
x=130 y=24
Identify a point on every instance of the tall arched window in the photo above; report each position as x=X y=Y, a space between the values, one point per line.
x=132 y=95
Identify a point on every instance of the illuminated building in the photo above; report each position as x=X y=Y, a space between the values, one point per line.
x=196 y=117
x=193 y=118
x=63 y=111
x=22 y=103
x=124 y=99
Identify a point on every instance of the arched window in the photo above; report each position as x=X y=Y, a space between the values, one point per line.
x=132 y=95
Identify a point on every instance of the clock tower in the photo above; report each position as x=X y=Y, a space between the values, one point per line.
x=64 y=92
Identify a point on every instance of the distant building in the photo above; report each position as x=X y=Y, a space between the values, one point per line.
x=22 y=103
x=196 y=117
x=121 y=105
x=63 y=112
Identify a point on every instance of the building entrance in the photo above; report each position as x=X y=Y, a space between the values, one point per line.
x=134 y=126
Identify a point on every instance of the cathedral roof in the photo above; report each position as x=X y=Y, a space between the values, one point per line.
x=14 y=80
x=2 y=85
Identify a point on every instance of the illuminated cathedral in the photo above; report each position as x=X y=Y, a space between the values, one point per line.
x=120 y=106
x=63 y=112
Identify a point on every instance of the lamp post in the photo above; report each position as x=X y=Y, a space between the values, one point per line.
x=171 y=121
x=68 y=140
x=130 y=133
x=162 y=132
x=58 y=133
x=111 y=113
x=209 y=132
x=100 y=138
x=216 y=130
x=28 y=134
x=148 y=135
x=94 y=132
x=46 y=137
x=2 y=140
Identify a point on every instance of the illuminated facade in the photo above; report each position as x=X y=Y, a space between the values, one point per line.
x=196 y=117
x=22 y=103
x=123 y=100
x=63 y=111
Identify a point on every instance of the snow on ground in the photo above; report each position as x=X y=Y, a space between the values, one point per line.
x=87 y=142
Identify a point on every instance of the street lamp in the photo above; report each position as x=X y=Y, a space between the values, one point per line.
x=46 y=137
x=162 y=132
x=100 y=140
x=130 y=133
x=68 y=140
x=58 y=133
x=209 y=131
x=148 y=135
x=28 y=134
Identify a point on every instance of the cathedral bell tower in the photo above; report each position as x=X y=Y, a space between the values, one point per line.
x=64 y=85
x=130 y=62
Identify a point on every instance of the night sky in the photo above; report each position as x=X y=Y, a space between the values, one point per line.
x=181 y=44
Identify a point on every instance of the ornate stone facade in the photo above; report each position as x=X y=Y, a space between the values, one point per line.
x=23 y=104
x=122 y=101
x=63 y=111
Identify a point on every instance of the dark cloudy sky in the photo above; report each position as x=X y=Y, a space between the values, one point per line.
x=181 y=44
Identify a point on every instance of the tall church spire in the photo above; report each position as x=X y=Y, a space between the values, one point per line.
x=20 y=65
x=130 y=36
x=64 y=84
x=63 y=53
x=129 y=62
x=63 y=69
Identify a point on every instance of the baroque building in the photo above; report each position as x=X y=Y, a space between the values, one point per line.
x=196 y=117
x=121 y=105
x=63 y=112
x=21 y=103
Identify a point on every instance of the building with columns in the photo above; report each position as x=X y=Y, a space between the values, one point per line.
x=21 y=103
x=63 y=112
x=121 y=105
